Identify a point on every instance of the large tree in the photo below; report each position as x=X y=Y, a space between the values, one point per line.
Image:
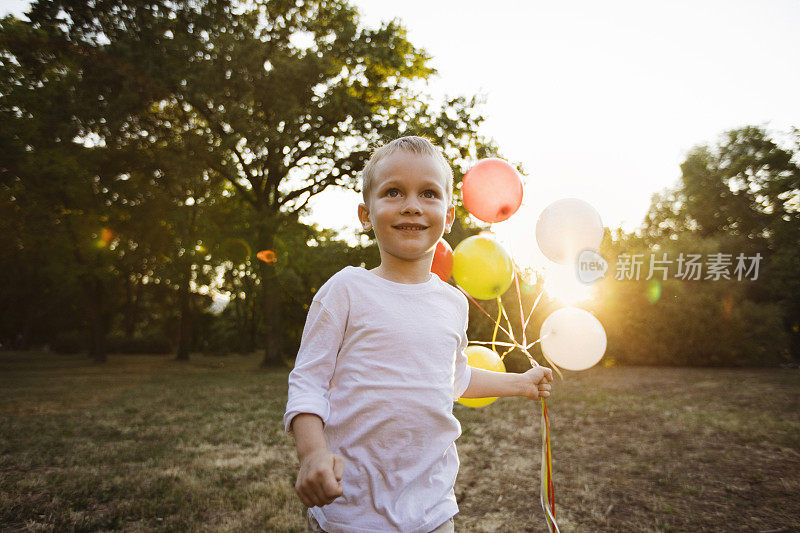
x=743 y=192
x=72 y=100
x=748 y=186
x=278 y=100
x=292 y=98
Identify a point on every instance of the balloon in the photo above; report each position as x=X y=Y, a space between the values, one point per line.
x=482 y=267
x=268 y=256
x=442 y=260
x=566 y=228
x=481 y=357
x=492 y=190
x=573 y=338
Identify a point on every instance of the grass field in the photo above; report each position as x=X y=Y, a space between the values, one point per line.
x=147 y=443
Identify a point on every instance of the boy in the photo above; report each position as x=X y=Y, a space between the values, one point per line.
x=382 y=360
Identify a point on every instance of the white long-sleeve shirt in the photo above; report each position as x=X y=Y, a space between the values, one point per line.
x=381 y=363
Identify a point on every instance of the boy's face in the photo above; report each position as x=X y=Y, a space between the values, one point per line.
x=409 y=207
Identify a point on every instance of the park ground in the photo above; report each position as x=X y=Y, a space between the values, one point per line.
x=147 y=443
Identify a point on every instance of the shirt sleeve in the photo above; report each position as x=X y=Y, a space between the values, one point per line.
x=463 y=372
x=310 y=379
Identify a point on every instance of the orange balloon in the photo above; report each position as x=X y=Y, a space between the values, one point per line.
x=492 y=190
x=268 y=256
x=442 y=260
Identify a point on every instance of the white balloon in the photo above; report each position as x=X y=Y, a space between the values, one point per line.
x=573 y=338
x=566 y=228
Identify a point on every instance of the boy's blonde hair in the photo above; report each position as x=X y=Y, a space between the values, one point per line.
x=413 y=144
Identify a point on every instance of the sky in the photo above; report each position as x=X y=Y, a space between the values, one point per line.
x=597 y=100
x=603 y=100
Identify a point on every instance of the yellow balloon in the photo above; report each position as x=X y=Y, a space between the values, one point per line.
x=480 y=357
x=482 y=267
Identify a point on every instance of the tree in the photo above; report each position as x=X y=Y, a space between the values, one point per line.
x=747 y=186
x=73 y=100
x=292 y=99
x=743 y=193
x=53 y=176
x=280 y=100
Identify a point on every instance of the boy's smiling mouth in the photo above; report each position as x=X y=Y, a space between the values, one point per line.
x=410 y=227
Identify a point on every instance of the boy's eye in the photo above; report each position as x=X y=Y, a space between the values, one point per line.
x=392 y=193
x=430 y=194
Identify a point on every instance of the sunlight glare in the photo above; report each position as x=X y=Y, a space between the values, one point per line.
x=561 y=282
x=518 y=236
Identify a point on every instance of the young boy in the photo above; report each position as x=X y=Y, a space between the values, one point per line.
x=382 y=360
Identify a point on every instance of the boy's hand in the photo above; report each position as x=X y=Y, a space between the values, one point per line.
x=536 y=382
x=320 y=479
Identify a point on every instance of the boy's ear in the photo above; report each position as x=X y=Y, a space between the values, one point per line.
x=451 y=216
x=363 y=216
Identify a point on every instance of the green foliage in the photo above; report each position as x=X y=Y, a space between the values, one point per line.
x=746 y=186
x=687 y=322
x=171 y=131
x=745 y=194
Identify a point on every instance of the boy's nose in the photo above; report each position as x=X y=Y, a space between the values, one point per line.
x=411 y=207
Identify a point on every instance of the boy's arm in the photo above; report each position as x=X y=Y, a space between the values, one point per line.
x=308 y=436
x=313 y=369
x=308 y=408
x=319 y=481
x=535 y=383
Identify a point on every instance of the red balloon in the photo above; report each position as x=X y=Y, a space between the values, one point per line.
x=492 y=190
x=442 y=260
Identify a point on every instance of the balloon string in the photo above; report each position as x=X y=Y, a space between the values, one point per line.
x=552 y=364
x=552 y=490
x=535 y=303
x=521 y=313
x=525 y=325
x=510 y=336
x=504 y=354
x=537 y=341
x=524 y=349
x=548 y=489
x=508 y=323
x=498 y=343
x=546 y=452
x=497 y=323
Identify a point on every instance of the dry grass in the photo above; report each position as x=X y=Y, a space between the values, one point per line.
x=147 y=443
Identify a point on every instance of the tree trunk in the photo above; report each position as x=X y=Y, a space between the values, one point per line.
x=97 y=322
x=272 y=321
x=271 y=298
x=185 y=327
x=133 y=296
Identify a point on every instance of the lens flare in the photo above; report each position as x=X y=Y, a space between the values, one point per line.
x=268 y=256
x=727 y=305
x=105 y=238
x=653 y=291
x=237 y=249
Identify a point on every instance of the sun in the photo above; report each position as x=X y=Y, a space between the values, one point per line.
x=561 y=282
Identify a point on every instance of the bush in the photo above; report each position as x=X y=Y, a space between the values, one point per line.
x=692 y=324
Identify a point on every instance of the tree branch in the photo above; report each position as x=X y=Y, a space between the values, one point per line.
x=301 y=206
x=249 y=174
x=327 y=180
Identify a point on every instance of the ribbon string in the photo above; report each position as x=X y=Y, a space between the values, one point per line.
x=547 y=493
